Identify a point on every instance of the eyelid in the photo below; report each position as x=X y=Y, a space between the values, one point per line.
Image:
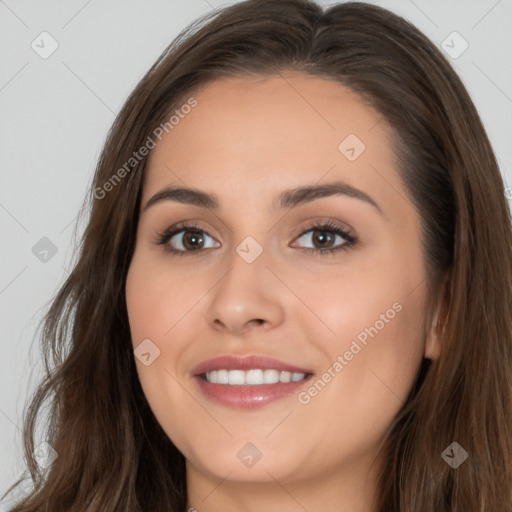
x=185 y=225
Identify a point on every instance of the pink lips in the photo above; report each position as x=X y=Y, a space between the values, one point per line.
x=245 y=396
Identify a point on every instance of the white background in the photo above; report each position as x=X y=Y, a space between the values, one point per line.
x=55 y=113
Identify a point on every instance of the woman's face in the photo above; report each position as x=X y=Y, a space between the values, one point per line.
x=246 y=281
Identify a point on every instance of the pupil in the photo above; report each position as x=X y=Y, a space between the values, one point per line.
x=194 y=237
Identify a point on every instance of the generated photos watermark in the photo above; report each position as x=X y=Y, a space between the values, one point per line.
x=305 y=397
x=143 y=151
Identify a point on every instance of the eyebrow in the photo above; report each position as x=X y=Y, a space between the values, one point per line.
x=287 y=199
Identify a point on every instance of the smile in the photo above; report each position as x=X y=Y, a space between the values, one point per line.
x=248 y=381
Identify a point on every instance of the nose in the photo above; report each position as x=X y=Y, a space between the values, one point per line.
x=247 y=297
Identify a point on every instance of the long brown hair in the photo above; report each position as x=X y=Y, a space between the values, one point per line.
x=112 y=453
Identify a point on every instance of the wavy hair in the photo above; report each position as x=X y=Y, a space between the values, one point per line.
x=112 y=453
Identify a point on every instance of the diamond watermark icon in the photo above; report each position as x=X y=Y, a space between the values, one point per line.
x=249 y=249
x=44 y=45
x=454 y=455
x=351 y=147
x=146 y=352
x=454 y=45
x=44 y=250
x=45 y=455
x=249 y=454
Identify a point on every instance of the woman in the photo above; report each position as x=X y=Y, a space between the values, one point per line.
x=294 y=289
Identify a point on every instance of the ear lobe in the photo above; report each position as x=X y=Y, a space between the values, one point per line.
x=438 y=326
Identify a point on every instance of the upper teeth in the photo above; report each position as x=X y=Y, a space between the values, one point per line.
x=251 y=377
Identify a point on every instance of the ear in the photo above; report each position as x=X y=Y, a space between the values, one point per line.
x=438 y=323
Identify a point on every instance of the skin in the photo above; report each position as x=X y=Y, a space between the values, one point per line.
x=246 y=141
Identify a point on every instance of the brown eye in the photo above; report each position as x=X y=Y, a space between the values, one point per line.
x=327 y=238
x=183 y=239
x=323 y=238
x=190 y=240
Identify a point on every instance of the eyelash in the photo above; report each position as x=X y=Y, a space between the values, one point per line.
x=330 y=227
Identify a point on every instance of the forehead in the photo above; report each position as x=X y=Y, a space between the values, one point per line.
x=270 y=133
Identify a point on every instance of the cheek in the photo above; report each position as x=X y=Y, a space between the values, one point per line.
x=366 y=380
x=157 y=304
x=375 y=341
x=159 y=299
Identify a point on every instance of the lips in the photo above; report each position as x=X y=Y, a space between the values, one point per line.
x=244 y=396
